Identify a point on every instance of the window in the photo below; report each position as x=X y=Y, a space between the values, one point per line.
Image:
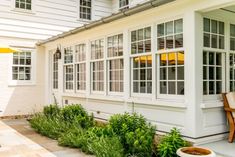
x=23 y=4
x=141 y=61
x=170 y=35
x=171 y=64
x=123 y=4
x=213 y=34
x=115 y=63
x=22 y=67
x=80 y=62
x=141 y=41
x=85 y=9
x=232 y=37
x=68 y=68
x=212 y=73
x=97 y=65
x=213 y=62
x=232 y=57
x=55 y=72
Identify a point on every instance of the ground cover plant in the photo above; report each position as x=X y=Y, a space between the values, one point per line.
x=125 y=135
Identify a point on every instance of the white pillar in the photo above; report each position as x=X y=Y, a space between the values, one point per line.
x=193 y=40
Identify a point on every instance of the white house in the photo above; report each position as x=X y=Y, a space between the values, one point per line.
x=167 y=59
x=22 y=24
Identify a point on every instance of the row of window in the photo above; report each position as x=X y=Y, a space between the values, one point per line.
x=170 y=65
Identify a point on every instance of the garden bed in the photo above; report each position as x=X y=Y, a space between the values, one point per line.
x=124 y=134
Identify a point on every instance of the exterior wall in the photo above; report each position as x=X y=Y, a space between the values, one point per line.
x=22 y=29
x=195 y=117
x=132 y=3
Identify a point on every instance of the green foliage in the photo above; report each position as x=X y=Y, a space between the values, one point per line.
x=50 y=127
x=170 y=143
x=76 y=114
x=107 y=147
x=51 y=110
x=135 y=133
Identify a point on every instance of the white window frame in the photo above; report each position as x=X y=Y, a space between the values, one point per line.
x=160 y=96
x=24 y=11
x=78 y=14
x=32 y=80
x=64 y=71
x=131 y=56
x=108 y=59
x=78 y=63
x=91 y=67
x=124 y=6
x=224 y=53
x=53 y=54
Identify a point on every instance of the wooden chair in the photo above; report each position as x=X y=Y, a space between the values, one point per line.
x=231 y=119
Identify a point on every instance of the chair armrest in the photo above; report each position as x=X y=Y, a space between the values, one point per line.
x=229 y=109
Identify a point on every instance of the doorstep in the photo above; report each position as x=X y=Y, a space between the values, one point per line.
x=222 y=148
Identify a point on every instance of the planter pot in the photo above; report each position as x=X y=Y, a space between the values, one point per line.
x=195 y=152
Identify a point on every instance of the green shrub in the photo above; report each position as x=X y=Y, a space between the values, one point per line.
x=50 y=127
x=135 y=133
x=170 y=143
x=107 y=147
x=76 y=114
x=51 y=110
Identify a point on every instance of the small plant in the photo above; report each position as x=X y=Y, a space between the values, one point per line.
x=50 y=127
x=76 y=114
x=170 y=143
x=51 y=110
x=135 y=133
x=107 y=147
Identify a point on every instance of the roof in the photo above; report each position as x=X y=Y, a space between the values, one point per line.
x=122 y=14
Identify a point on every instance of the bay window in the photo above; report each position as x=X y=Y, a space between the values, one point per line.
x=80 y=63
x=68 y=68
x=115 y=63
x=141 y=60
x=97 y=65
x=170 y=56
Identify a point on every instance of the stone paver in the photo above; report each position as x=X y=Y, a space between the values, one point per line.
x=18 y=139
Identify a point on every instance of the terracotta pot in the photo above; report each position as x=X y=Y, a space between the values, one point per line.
x=195 y=152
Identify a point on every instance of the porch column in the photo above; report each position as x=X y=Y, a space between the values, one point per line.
x=193 y=40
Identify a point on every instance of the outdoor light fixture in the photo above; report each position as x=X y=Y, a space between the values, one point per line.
x=58 y=53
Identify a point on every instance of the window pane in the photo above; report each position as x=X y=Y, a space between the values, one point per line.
x=221 y=28
x=214 y=41
x=206 y=40
x=179 y=41
x=171 y=88
x=180 y=73
x=163 y=87
x=169 y=42
x=232 y=30
x=161 y=43
x=214 y=28
x=160 y=30
x=206 y=25
x=169 y=28
x=179 y=26
x=180 y=88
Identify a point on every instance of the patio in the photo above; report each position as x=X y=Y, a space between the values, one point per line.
x=19 y=140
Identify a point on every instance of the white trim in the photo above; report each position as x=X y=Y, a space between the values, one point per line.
x=24 y=11
x=32 y=80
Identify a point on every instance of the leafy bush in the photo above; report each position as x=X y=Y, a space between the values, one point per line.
x=51 y=110
x=106 y=147
x=50 y=127
x=135 y=133
x=170 y=143
x=76 y=114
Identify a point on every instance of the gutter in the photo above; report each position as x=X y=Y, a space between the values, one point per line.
x=122 y=14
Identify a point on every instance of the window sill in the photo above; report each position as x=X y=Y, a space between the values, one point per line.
x=21 y=83
x=84 y=20
x=212 y=104
x=23 y=11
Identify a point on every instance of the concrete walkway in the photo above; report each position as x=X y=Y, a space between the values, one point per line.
x=18 y=139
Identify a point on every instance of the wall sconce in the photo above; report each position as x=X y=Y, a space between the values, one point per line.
x=58 y=53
